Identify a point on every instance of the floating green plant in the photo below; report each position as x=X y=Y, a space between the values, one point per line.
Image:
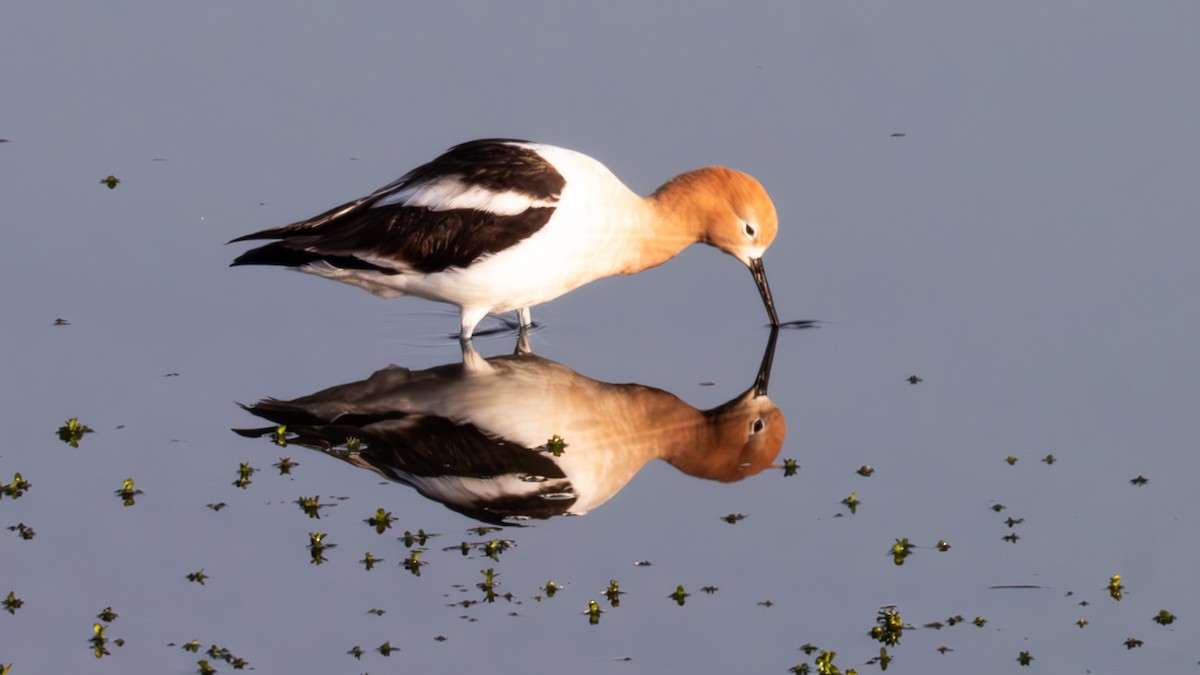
x=943 y=649
x=680 y=596
x=998 y=507
x=1049 y=459
x=1011 y=522
x=285 y=465
x=376 y=611
x=353 y=445
x=613 y=593
x=889 y=627
x=12 y=603
x=279 y=436
x=72 y=432
x=733 y=517
x=865 y=470
x=488 y=585
x=1011 y=538
x=808 y=648
x=1011 y=459
x=555 y=445
x=942 y=545
x=127 y=492
x=381 y=521
x=244 y=473
x=913 y=379
x=852 y=503
x=98 y=641
x=495 y=547
x=369 y=561
x=766 y=603
x=23 y=531
x=1133 y=643
x=312 y=506
x=205 y=668
x=550 y=588
x=216 y=506
x=417 y=538
x=413 y=563
x=709 y=590
x=193 y=646
x=17 y=487
x=1024 y=658
x=386 y=648
x=356 y=652
x=593 y=612
x=1081 y=622
x=1164 y=618
x=110 y=181
x=483 y=530
x=107 y=615
x=825 y=664
x=317 y=547
x=979 y=621
x=1115 y=589
x=900 y=550
x=790 y=467
x=1140 y=480
x=197 y=577
x=884 y=659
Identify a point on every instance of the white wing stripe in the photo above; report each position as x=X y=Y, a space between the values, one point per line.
x=450 y=192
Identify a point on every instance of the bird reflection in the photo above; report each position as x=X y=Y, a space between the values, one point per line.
x=515 y=437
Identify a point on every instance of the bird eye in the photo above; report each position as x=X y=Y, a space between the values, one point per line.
x=757 y=425
x=749 y=229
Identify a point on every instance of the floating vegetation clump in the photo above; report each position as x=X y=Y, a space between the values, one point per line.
x=1164 y=618
x=72 y=432
x=1139 y=481
x=197 y=577
x=1115 y=588
x=488 y=585
x=317 y=547
x=852 y=503
x=1024 y=658
x=551 y=588
x=913 y=379
x=865 y=470
x=312 y=506
x=593 y=612
x=1011 y=459
x=285 y=465
x=23 y=531
x=733 y=517
x=111 y=182
x=244 y=473
x=369 y=561
x=17 y=488
x=419 y=538
x=1133 y=643
x=12 y=603
x=279 y=436
x=613 y=593
x=680 y=596
x=1050 y=459
x=790 y=467
x=413 y=563
x=900 y=550
x=381 y=521
x=555 y=445
x=942 y=545
x=889 y=627
x=127 y=492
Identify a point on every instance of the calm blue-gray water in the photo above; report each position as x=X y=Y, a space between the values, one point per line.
x=999 y=201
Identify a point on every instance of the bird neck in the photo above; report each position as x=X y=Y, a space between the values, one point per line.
x=676 y=216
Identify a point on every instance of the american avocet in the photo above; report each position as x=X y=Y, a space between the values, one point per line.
x=479 y=436
x=497 y=225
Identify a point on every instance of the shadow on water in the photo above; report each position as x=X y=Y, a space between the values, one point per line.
x=516 y=437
